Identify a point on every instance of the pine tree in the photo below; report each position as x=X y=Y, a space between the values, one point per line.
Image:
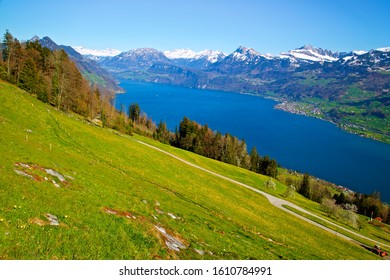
x=8 y=40
x=272 y=169
x=305 y=186
x=255 y=160
x=134 y=112
x=162 y=133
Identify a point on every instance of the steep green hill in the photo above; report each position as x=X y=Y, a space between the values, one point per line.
x=71 y=190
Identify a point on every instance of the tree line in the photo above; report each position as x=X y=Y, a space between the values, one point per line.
x=201 y=140
x=342 y=205
x=53 y=78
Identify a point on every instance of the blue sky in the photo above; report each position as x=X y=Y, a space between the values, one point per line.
x=269 y=26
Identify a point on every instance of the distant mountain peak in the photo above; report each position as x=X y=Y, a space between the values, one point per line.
x=311 y=54
x=209 y=55
x=243 y=53
x=142 y=51
x=49 y=43
x=140 y=57
x=359 y=52
x=35 y=38
x=245 y=50
x=99 y=53
x=180 y=53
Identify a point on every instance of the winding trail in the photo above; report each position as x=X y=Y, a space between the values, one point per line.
x=278 y=202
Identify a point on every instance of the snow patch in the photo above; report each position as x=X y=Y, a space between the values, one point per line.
x=359 y=52
x=106 y=52
x=209 y=55
x=386 y=49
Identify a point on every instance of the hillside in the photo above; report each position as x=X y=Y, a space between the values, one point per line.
x=72 y=190
x=90 y=69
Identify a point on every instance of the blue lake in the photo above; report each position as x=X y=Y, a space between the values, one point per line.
x=296 y=142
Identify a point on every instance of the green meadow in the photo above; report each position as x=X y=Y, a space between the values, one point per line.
x=72 y=190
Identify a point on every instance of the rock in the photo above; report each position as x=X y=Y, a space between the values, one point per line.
x=25 y=165
x=55 y=184
x=55 y=174
x=23 y=174
x=200 y=252
x=172 y=216
x=171 y=242
x=53 y=220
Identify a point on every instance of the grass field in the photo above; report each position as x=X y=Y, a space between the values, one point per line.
x=118 y=199
x=379 y=232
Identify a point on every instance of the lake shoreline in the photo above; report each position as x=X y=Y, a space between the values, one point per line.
x=291 y=139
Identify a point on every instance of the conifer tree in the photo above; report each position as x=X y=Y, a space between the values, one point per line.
x=162 y=133
x=134 y=112
x=305 y=186
x=255 y=160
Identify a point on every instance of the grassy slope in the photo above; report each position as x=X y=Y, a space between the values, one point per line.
x=108 y=170
x=381 y=233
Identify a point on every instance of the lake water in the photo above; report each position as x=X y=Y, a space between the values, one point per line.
x=296 y=142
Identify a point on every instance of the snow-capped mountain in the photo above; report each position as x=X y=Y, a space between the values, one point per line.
x=209 y=55
x=192 y=59
x=104 y=53
x=386 y=49
x=96 y=55
x=245 y=61
x=246 y=54
x=373 y=60
x=141 y=58
x=311 y=54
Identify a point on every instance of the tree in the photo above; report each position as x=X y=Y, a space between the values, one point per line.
x=8 y=42
x=268 y=167
x=290 y=192
x=349 y=217
x=187 y=134
x=103 y=117
x=272 y=169
x=162 y=133
x=330 y=207
x=305 y=186
x=134 y=112
x=217 y=146
x=340 y=198
x=28 y=77
x=255 y=160
x=318 y=192
x=269 y=184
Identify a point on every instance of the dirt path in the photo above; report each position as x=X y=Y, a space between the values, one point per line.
x=278 y=202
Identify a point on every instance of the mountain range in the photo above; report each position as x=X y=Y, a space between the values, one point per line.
x=351 y=89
